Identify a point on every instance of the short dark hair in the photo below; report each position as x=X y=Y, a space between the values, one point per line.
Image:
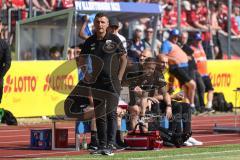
x=150 y=60
x=101 y=14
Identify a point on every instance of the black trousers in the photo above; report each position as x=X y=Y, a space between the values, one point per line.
x=181 y=121
x=106 y=96
x=1 y=89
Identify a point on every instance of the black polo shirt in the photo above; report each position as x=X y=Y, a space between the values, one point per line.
x=149 y=84
x=109 y=50
x=5 y=58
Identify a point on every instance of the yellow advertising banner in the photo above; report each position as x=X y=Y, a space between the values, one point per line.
x=225 y=78
x=38 y=88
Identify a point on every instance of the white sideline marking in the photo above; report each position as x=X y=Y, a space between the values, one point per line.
x=29 y=155
x=182 y=155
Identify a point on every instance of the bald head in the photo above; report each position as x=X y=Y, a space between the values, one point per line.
x=162 y=61
x=144 y=55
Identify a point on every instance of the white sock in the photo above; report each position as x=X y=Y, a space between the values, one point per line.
x=209 y=105
x=192 y=105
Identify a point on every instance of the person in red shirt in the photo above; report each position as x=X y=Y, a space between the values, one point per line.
x=223 y=20
x=186 y=12
x=170 y=17
x=199 y=18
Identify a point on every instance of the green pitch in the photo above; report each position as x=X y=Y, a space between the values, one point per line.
x=223 y=152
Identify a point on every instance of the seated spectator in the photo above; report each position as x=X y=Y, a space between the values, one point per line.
x=55 y=53
x=136 y=45
x=133 y=70
x=148 y=41
x=144 y=91
x=181 y=122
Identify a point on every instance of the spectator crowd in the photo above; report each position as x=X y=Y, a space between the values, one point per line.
x=209 y=18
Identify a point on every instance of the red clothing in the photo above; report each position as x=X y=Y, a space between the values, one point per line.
x=183 y=19
x=67 y=3
x=200 y=16
x=234 y=25
x=169 y=18
x=64 y=4
x=223 y=22
x=18 y=3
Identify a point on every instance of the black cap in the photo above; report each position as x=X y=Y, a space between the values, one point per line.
x=113 y=22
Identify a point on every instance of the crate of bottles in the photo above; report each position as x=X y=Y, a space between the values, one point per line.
x=42 y=138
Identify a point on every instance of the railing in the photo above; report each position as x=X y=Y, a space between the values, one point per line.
x=19 y=11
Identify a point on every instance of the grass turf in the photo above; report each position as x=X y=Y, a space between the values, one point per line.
x=223 y=152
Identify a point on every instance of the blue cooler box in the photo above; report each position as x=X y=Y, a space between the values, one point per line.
x=41 y=139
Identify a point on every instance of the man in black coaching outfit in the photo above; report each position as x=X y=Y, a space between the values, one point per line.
x=106 y=84
x=5 y=60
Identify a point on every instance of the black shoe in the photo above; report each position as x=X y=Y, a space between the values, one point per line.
x=92 y=146
x=96 y=152
x=103 y=151
x=115 y=147
x=121 y=144
x=107 y=152
x=168 y=144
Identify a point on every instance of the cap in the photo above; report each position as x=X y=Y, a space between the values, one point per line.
x=175 y=32
x=186 y=5
x=197 y=36
x=138 y=28
x=113 y=22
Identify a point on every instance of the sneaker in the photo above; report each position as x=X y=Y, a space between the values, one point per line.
x=92 y=146
x=209 y=110
x=116 y=147
x=194 y=142
x=103 y=151
x=97 y=152
x=107 y=152
x=187 y=143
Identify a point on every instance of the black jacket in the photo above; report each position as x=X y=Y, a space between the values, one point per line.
x=5 y=58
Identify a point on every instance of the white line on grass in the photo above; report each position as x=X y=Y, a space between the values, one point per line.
x=182 y=155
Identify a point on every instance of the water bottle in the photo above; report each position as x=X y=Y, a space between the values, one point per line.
x=84 y=142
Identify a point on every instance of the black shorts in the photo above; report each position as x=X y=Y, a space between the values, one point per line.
x=1 y=90
x=134 y=99
x=181 y=74
x=208 y=84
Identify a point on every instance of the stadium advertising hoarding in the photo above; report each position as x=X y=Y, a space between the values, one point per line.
x=30 y=88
